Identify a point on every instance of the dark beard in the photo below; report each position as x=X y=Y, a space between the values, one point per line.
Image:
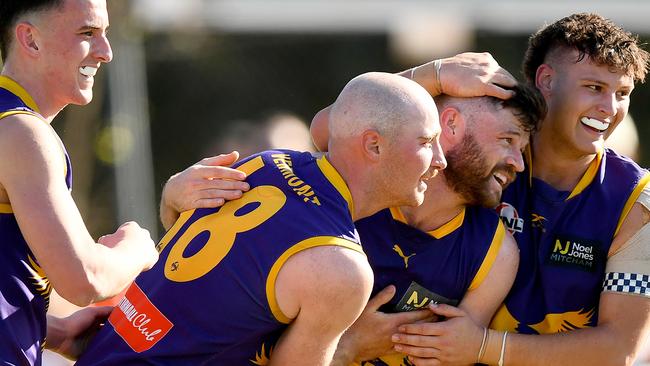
x=467 y=173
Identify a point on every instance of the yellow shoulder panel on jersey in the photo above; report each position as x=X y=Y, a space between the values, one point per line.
x=337 y=181
x=632 y=199
x=490 y=257
x=12 y=86
x=316 y=241
x=5 y=208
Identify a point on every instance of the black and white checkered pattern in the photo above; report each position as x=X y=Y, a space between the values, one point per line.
x=631 y=283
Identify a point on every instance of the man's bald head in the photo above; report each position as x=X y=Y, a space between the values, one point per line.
x=378 y=101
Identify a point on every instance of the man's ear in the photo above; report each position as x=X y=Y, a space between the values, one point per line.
x=372 y=144
x=26 y=35
x=453 y=124
x=544 y=78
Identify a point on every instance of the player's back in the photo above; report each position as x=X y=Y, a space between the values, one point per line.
x=210 y=299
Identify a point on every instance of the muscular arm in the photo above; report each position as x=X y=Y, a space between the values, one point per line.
x=623 y=324
x=32 y=175
x=324 y=289
x=482 y=302
x=464 y=75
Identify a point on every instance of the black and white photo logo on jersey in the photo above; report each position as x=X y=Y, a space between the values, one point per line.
x=510 y=218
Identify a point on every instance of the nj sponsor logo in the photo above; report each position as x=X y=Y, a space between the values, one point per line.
x=417 y=297
x=140 y=324
x=575 y=252
x=510 y=218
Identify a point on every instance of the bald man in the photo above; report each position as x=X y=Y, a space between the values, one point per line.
x=275 y=277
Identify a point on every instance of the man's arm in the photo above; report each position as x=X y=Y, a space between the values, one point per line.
x=457 y=340
x=208 y=183
x=69 y=336
x=464 y=75
x=370 y=335
x=32 y=175
x=623 y=324
x=482 y=302
x=324 y=289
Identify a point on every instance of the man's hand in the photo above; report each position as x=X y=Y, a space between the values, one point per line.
x=370 y=335
x=475 y=74
x=70 y=336
x=131 y=232
x=455 y=341
x=208 y=183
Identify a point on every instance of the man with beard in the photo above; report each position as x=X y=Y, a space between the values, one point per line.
x=453 y=249
x=281 y=267
x=582 y=294
x=450 y=250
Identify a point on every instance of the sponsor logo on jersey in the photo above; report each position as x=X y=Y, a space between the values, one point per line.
x=538 y=222
x=510 y=218
x=139 y=322
x=574 y=252
x=417 y=297
x=406 y=258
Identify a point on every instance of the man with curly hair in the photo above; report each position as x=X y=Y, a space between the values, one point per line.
x=580 y=218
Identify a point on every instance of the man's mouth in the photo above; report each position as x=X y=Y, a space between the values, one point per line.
x=594 y=123
x=88 y=71
x=503 y=178
x=431 y=173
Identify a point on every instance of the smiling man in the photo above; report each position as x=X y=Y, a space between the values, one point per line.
x=276 y=276
x=51 y=50
x=580 y=215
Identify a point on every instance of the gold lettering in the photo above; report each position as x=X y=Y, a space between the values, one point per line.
x=558 y=247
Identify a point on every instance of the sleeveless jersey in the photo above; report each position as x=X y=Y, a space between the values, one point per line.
x=210 y=299
x=24 y=287
x=564 y=238
x=436 y=266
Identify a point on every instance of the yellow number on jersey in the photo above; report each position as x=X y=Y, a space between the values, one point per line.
x=222 y=228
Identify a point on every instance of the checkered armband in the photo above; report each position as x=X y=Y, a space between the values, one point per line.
x=627 y=283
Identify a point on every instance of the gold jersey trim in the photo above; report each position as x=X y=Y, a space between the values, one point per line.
x=12 y=86
x=589 y=175
x=490 y=257
x=444 y=230
x=337 y=181
x=317 y=241
x=584 y=182
x=5 y=208
x=643 y=182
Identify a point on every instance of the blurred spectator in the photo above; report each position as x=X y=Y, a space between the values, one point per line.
x=281 y=130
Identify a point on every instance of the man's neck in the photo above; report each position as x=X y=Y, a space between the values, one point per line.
x=555 y=165
x=33 y=86
x=440 y=206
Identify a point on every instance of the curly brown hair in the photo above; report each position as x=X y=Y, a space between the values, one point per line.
x=593 y=36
